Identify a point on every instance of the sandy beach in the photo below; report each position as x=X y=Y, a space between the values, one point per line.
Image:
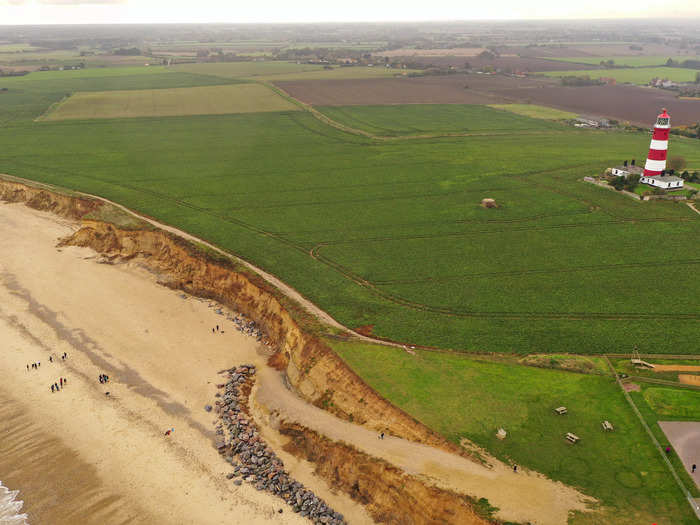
x=80 y=456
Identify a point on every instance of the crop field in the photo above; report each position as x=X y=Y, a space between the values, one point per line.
x=278 y=70
x=209 y=100
x=470 y=398
x=389 y=236
x=639 y=75
x=535 y=111
x=430 y=118
x=427 y=90
x=622 y=102
x=31 y=96
x=631 y=61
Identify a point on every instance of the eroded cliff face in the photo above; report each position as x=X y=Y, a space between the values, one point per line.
x=389 y=494
x=40 y=199
x=313 y=369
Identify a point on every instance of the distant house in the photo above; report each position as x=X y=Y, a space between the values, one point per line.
x=592 y=122
x=624 y=170
x=665 y=182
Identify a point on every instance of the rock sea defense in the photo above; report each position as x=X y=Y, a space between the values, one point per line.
x=256 y=463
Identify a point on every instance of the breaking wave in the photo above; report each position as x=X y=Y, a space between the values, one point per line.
x=10 y=508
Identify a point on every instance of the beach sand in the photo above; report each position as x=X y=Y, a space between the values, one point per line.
x=80 y=456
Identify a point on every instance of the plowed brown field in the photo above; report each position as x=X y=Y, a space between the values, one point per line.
x=624 y=103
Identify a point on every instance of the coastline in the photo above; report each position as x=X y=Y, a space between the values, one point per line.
x=164 y=360
x=110 y=452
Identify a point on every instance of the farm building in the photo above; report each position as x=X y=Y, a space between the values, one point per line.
x=625 y=169
x=665 y=182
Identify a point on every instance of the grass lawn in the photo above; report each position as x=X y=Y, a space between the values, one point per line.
x=631 y=61
x=640 y=75
x=209 y=100
x=535 y=111
x=430 y=118
x=461 y=397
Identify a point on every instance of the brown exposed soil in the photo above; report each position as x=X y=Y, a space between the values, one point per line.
x=631 y=387
x=512 y=63
x=42 y=199
x=423 y=90
x=689 y=379
x=389 y=494
x=621 y=102
x=676 y=368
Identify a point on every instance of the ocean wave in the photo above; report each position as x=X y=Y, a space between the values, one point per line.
x=10 y=507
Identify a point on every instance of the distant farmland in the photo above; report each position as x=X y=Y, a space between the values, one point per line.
x=638 y=75
x=625 y=103
x=209 y=100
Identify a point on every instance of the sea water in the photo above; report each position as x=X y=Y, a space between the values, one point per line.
x=10 y=508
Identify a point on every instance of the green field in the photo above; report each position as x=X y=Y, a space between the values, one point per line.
x=631 y=61
x=471 y=398
x=29 y=97
x=430 y=118
x=535 y=111
x=209 y=100
x=640 y=75
x=392 y=235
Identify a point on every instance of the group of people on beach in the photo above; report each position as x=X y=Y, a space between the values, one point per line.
x=58 y=386
x=216 y=329
x=104 y=378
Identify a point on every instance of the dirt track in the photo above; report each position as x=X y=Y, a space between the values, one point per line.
x=676 y=368
x=689 y=379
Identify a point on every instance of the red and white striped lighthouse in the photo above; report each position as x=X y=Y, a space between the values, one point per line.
x=656 y=162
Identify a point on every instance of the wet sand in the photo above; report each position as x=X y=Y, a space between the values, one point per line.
x=79 y=456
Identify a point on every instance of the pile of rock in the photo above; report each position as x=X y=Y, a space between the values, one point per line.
x=247 y=327
x=252 y=460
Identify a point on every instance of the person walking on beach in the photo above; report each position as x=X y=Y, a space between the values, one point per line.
x=50 y=359
x=99 y=378
x=694 y=467
x=56 y=385
x=61 y=380
x=515 y=468
x=52 y=389
x=65 y=380
x=27 y=368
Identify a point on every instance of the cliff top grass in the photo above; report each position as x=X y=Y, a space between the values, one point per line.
x=463 y=397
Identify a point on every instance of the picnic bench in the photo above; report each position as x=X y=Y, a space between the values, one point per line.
x=561 y=410
x=607 y=426
x=573 y=438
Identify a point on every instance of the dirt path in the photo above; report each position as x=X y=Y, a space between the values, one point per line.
x=675 y=368
x=522 y=497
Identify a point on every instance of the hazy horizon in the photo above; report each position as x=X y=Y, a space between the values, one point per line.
x=80 y=12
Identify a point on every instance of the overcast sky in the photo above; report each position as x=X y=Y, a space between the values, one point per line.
x=153 y=11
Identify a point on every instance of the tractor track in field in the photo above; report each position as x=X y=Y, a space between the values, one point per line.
x=320 y=245
x=582 y=268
